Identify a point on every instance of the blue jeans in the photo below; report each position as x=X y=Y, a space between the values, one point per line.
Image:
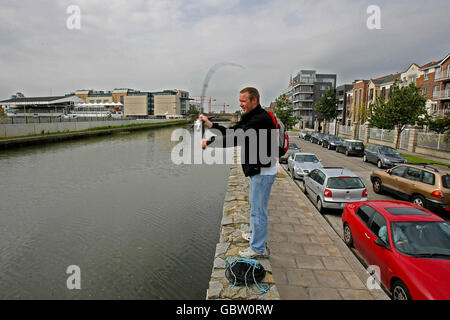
x=260 y=186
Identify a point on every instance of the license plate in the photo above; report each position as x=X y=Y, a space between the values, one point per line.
x=358 y=148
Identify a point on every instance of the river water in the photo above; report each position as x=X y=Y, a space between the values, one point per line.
x=136 y=225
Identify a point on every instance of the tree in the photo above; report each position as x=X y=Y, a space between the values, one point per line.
x=405 y=106
x=193 y=110
x=440 y=124
x=378 y=117
x=285 y=112
x=327 y=106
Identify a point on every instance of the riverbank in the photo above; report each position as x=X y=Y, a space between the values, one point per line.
x=235 y=221
x=12 y=142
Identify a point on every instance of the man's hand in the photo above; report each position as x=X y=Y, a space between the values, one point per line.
x=205 y=120
x=204 y=143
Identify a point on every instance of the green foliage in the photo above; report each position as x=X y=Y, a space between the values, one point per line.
x=285 y=112
x=406 y=106
x=327 y=106
x=439 y=124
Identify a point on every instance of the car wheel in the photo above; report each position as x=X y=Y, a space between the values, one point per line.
x=364 y=158
x=379 y=164
x=304 y=187
x=329 y=147
x=377 y=186
x=320 y=207
x=399 y=291
x=348 y=238
x=419 y=200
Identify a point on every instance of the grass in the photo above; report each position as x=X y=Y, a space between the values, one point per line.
x=101 y=128
x=416 y=159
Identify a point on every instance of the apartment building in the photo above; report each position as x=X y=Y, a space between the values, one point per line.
x=306 y=90
x=429 y=86
x=358 y=113
x=442 y=76
x=343 y=105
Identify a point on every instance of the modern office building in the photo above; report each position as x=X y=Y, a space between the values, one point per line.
x=306 y=90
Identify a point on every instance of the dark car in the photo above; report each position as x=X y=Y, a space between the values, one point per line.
x=307 y=136
x=382 y=156
x=316 y=137
x=293 y=148
x=351 y=147
x=330 y=142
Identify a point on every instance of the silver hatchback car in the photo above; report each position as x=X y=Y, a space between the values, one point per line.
x=333 y=188
x=301 y=163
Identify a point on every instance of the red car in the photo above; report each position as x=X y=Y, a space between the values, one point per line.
x=410 y=245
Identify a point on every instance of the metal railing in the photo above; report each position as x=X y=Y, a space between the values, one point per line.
x=434 y=141
x=382 y=134
x=441 y=75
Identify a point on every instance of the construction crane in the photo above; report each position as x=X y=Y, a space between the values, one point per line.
x=201 y=99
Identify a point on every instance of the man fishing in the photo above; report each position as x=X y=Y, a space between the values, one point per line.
x=262 y=175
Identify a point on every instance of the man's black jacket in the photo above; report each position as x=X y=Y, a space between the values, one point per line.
x=256 y=119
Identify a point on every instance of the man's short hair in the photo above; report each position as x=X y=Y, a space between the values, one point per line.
x=252 y=93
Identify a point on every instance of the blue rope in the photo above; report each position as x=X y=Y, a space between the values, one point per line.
x=253 y=263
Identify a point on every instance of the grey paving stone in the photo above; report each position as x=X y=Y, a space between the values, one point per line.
x=316 y=250
x=288 y=292
x=309 y=262
x=283 y=228
x=353 y=280
x=331 y=279
x=336 y=263
x=352 y=294
x=282 y=260
x=324 y=294
x=301 y=277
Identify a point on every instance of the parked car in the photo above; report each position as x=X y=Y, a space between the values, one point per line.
x=308 y=135
x=425 y=186
x=70 y=116
x=333 y=188
x=409 y=244
x=301 y=163
x=293 y=148
x=383 y=156
x=330 y=142
x=302 y=134
x=316 y=137
x=351 y=147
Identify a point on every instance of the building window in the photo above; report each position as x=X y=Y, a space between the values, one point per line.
x=424 y=91
x=425 y=77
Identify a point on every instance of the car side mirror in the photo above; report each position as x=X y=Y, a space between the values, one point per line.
x=389 y=171
x=381 y=243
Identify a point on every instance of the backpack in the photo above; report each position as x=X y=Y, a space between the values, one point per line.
x=283 y=137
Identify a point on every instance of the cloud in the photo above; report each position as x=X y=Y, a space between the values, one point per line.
x=161 y=44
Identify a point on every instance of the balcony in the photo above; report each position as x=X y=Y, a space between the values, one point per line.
x=441 y=95
x=442 y=75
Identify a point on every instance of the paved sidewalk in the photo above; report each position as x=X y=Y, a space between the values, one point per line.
x=309 y=260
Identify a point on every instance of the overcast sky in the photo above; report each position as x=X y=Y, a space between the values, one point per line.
x=162 y=44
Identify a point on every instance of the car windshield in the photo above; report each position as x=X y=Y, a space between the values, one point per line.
x=293 y=146
x=389 y=151
x=357 y=144
x=345 y=183
x=422 y=239
x=306 y=158
x=334 y=138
